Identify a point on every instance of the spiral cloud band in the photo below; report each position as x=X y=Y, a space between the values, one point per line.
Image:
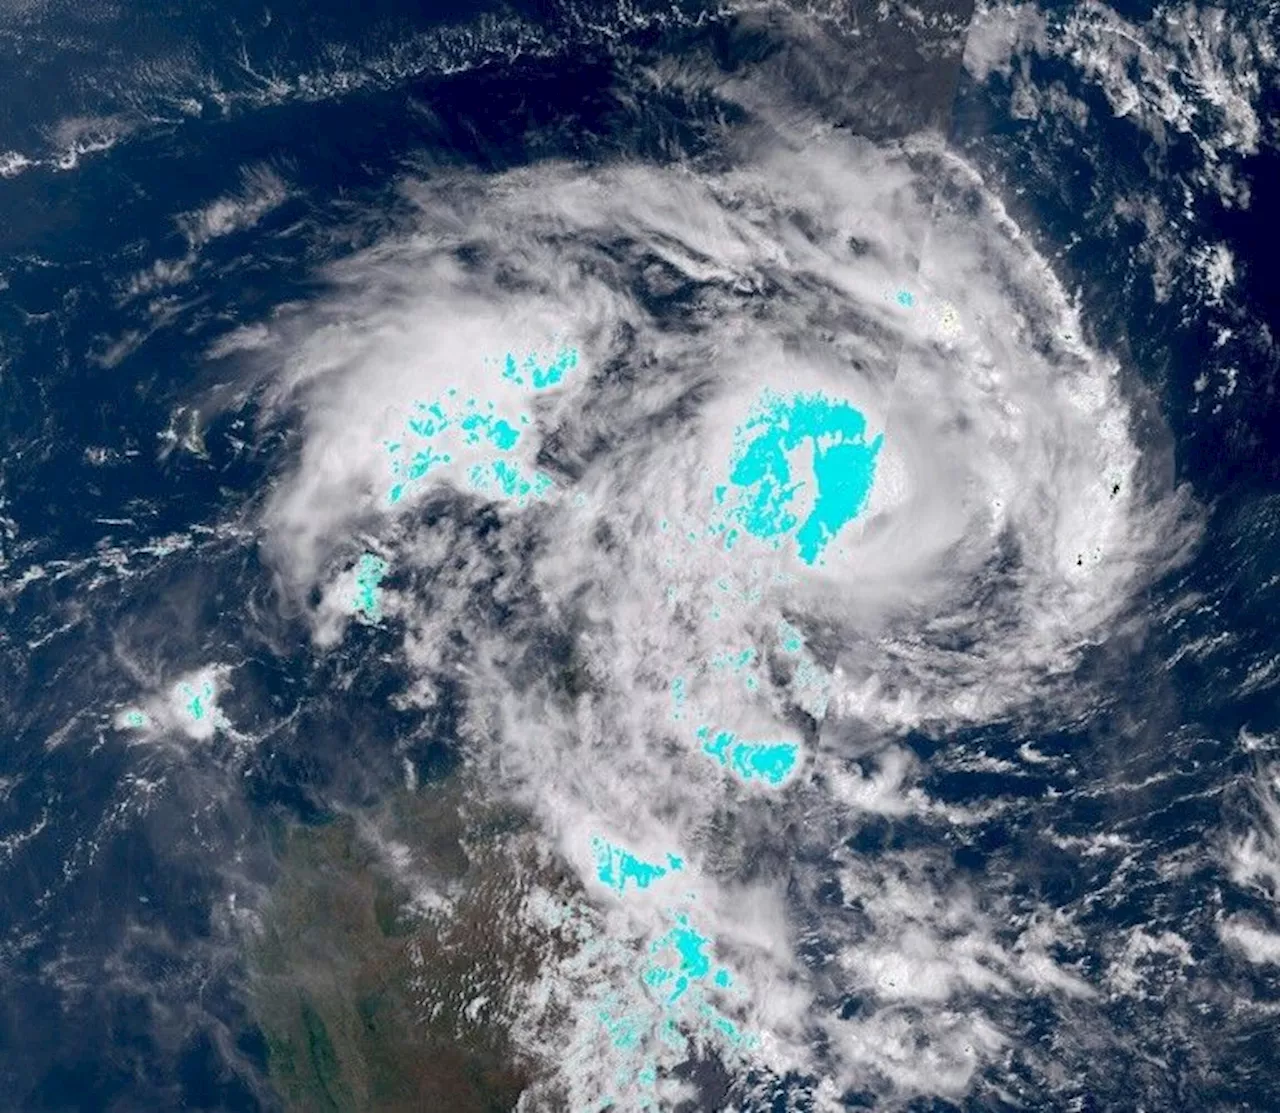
x=703 y=489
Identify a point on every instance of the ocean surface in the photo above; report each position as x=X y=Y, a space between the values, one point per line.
x=633 y=556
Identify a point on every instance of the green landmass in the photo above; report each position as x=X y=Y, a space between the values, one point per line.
x=370 y=1001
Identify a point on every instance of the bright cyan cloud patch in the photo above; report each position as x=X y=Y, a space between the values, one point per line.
x=769 y=481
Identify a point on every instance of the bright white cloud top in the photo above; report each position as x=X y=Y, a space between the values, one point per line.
x=785 y=461
x=189 y=706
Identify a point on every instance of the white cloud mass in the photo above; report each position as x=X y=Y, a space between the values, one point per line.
x=595 y=623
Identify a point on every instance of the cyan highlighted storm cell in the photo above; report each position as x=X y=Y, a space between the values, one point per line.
x=480 y=432
x=616 y=867
x=678 y=978
x=801 y=470
x=537 y=375
x=197 y=701
x=367 y=602
x=769 y=762
x=679 y=1010
x=193 y=705
x=679 y=960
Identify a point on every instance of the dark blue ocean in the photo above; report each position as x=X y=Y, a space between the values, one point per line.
x=135 y=467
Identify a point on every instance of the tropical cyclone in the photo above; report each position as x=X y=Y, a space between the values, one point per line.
x=826 y=456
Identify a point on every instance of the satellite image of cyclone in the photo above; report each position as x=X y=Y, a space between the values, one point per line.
x=617 y=555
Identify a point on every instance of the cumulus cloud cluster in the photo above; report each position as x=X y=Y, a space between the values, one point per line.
x=1195 y=71
x=1187 y=83
x=632 y=662
x=1253 y=861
